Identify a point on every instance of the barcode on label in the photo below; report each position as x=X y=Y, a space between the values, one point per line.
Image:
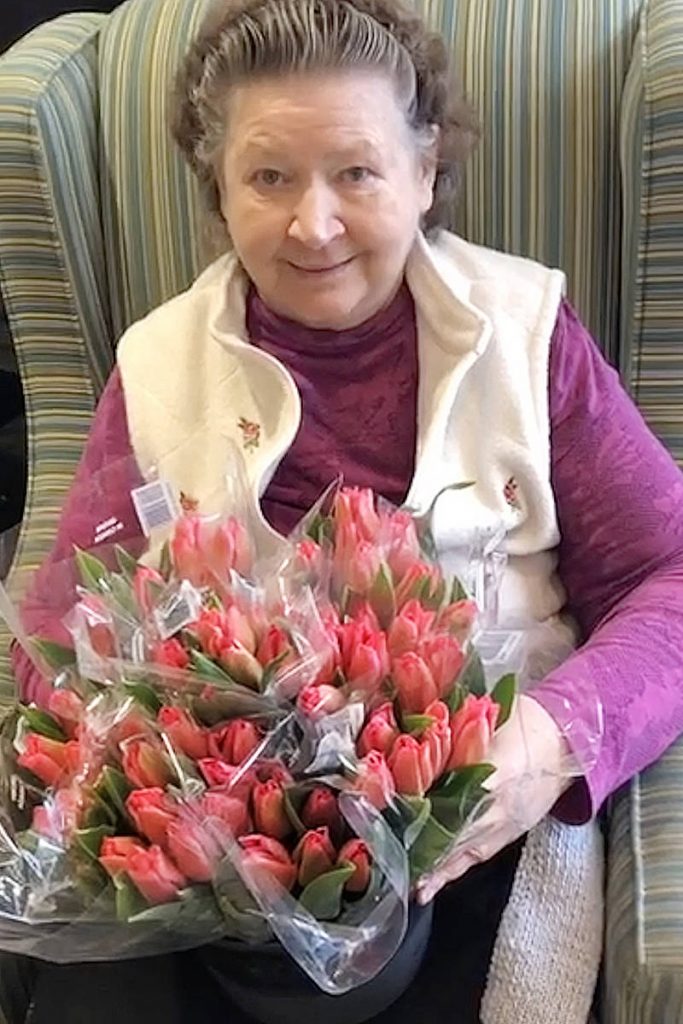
x=181 y=609
x=156 y=505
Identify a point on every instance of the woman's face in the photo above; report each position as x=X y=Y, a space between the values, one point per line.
x=322 y=191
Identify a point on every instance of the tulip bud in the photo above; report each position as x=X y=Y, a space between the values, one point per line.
x=458 y=618
x=308 y=555
x=236 y=741
x=419 y=578
x=152 y=812
x=50 y=761
x=410 y=626
x=379 y=731
x=115 y=851
x=185 y=549
x=472 y=729
x=356 y=506
x=217 y=772
x=193 y=849
x=270 y=815
x=227 y=810
x=400 y=532
x=58 y=817
x=154 y=874
x=67 y=708
x=171 y=653
x=274 y=645
x=226 y=547
x=147 y=585
x=322 y=810
x=316 y=702
x=267 y=854
x=145 y=765
x=364 y=655
x=357 y=854
x=414 y=683
x=185 y=734
x=238 y=626
x=374 y=780
x=436 y=740
x=410 y=767
x=314 y=855
x=240 y=664
x=444 y=658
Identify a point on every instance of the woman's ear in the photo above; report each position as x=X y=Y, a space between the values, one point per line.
x=429 y=162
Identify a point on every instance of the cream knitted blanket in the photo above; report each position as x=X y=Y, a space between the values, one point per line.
x=547 y=954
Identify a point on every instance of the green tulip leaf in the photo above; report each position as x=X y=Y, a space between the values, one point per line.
x=56 y=656
x=382 y=597
x=145 y=696
x=294 y=799
x=407 y=817
x=323 y=896
x=90 y=839
x=460 y=794
x=241 y=913
x=195 y=909
x=94 y=574
x=504 y=694
x=126 y=563
x=456 y=698
x=120 y=590
x=43 y=724
x=113 y=787
x=207 y=669
x=458 y=592
x=165 y=561
x=130 y=904
x=473 y=678
x=432 y=843
x=100 y=812
x=416 y=724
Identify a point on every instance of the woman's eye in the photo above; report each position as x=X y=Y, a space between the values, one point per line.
x=357 y=175
x=268 y=177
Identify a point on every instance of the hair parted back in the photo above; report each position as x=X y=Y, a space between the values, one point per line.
x=246 y=39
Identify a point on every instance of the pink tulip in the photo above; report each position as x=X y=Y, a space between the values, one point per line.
x=144 y=764
x=270 y=816
x=444 y=658
x=357 y=854
x=224 y=809
x=185 y=734
x=458 y=618
x=400 y=534
x=356 y=562
x=379 y=731
x=308 y=556
x=217 y=772
x=356 y=506
x=364 y=655
x=115 y=851
x=322 y=810
x=314 y=855
x=240 y=664
x=472 y=729
x=226 y=547
x=436 y=738
x=67 y=708
x=58 y=817
x=152 y=811
x=421 y=581
x=316 y=702
x=267 y=854
x=193 y=849
x=374 y=780
x=275 y=644
x=49 y=760
x=236 y=741
x=186 y=553
x=154 y=874
x=171 y=653
x=410 y=766
x=217 y=627
x=412 y=624
x=414 y=683
x=147 y=585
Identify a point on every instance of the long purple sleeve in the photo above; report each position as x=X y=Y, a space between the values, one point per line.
x=619 y=497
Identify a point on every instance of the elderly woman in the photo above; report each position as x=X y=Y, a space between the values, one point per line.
x=345 y=330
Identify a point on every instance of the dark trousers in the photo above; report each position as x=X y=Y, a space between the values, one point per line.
x=178 y=990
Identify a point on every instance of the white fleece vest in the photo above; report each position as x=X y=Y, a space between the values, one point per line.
x=193 y=385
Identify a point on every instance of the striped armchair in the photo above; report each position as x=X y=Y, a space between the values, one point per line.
x=580 y=165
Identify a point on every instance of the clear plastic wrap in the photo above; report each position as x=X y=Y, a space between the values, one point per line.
x=253 y=745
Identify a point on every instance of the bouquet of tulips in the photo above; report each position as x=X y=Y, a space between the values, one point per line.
x=248 y=748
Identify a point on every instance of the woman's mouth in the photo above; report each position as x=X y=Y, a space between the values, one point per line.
x=323 y=269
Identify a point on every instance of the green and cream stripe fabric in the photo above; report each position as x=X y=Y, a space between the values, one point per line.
x=546 y=77
x=644 y=948
x=51 y=260
x=653 y=347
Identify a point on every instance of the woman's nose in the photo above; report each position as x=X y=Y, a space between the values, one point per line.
x=316 y=220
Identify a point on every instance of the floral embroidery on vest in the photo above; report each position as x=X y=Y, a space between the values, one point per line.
x=251 y=433
x=187 y=503
x=511 y=492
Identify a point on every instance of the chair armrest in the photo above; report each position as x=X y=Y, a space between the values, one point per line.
x=644 y=950
x=52 y=268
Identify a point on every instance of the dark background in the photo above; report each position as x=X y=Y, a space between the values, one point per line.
x=22 y=15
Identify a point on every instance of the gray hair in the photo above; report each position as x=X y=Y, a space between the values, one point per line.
x=246 y=39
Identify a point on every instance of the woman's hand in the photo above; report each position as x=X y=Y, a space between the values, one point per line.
x=533 y=769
